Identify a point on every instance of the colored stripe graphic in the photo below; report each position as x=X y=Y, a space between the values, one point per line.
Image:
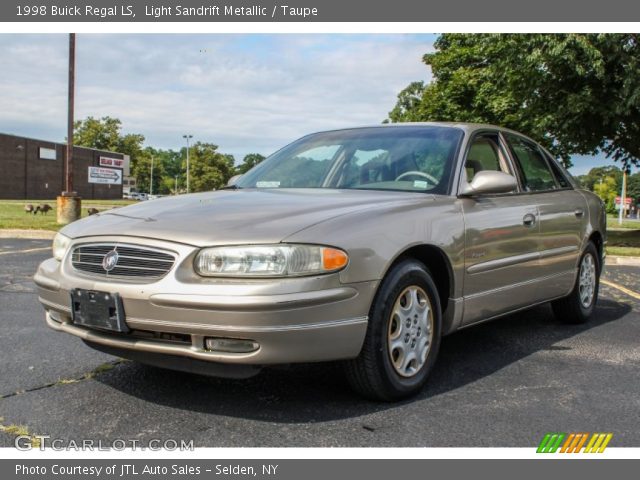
x=598 y=442
x=551 y=442
x=573 y=442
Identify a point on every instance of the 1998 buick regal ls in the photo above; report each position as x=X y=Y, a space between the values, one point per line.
x=365 y=245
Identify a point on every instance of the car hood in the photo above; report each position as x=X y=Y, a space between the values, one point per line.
x=235 y=216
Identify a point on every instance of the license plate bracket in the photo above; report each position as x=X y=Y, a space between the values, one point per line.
x=99 y=310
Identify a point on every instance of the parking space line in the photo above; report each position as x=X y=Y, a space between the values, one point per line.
x=28 y=250
x=631 y=293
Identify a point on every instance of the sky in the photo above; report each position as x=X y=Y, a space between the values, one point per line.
x=246 y=93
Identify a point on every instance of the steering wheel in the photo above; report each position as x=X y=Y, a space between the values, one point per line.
x=420 y=174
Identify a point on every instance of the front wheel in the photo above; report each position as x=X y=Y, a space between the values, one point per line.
x=403 y=335
x=578 y=306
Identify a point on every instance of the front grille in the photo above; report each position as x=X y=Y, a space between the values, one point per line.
x=133 y=261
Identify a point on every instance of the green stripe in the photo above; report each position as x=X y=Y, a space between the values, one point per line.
x=558 y=442
x=543 y=443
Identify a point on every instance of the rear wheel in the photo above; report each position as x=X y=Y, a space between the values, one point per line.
x=403 y=335
x=578 y=306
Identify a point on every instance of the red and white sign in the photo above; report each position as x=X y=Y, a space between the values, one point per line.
x=627 y=200
x=111 y=162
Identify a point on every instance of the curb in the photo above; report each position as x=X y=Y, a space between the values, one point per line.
x=620 y=260
x=24 y=233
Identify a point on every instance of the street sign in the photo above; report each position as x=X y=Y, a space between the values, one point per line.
x=111 y=162
x=627 y=200
x=105 y=175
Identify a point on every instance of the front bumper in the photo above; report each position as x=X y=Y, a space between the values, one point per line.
x=292 y=320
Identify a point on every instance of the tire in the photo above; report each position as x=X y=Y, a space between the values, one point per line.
x=578 y=306
x=390 y=367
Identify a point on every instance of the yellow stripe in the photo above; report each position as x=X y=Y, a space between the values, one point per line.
x=599 y=440
x=631 y=293
x=26 y=251
x=591 y=442
x=567 y=442
x=606 y=442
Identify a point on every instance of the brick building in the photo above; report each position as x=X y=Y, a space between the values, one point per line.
x=34 y=169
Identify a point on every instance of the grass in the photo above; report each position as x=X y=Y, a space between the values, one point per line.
x=612 y=222
x=623 y=241
x=12 y=214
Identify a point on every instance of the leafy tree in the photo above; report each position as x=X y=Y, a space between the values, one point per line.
x=607 y=190
x=102 y=134
x=106 y=134
x=597 y=174
x=248 y=162
x=575 y=93
x=209 y=169
x=633 y=187
x=142 y=172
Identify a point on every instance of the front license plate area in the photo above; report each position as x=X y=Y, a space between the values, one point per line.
x=95 y=309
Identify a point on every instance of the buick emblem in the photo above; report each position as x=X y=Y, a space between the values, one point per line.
x=110 y=260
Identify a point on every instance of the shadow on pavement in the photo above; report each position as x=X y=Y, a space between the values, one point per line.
x=319 y=392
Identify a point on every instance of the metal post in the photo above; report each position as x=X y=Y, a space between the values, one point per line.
x=187 y=137
x=72 y=82
x=151 y=180
x=69 y=203
x=176 y=190
x=623 y=194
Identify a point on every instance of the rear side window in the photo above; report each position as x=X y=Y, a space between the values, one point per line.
x=535 y=171
x=560 y=178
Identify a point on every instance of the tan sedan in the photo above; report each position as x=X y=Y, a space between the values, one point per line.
x=365 y=245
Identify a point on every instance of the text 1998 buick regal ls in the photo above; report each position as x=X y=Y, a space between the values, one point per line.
x=365 y=245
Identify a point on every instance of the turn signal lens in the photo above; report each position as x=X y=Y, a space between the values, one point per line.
x=280 y=260
x=333 y=259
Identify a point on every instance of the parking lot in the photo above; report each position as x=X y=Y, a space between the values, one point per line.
x=501 y=384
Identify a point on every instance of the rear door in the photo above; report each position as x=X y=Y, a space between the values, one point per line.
x=501 y=238
x=562 y=215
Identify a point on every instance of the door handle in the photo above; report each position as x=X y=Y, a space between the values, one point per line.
x=578 y=212
x=529 y=220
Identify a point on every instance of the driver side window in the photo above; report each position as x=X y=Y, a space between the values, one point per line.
x=485 y=154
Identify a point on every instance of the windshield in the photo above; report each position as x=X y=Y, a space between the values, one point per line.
x=411 y=158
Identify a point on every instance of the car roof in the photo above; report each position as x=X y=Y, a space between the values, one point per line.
x=468 y=127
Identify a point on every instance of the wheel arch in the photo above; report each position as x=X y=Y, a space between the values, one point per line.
x=438 y=264
x=598 y=240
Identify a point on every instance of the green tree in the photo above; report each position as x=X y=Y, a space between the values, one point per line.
x=102 y=134
x=106 y=134
x=633 y=187
x=607 y=190
x=248 y=162
x=597 y=174
x=575 y=93
x=209 y=169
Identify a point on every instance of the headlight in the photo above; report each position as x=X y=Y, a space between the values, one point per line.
x=60 y=245
x=269 y=261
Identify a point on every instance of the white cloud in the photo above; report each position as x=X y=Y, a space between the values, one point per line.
x=244 y=93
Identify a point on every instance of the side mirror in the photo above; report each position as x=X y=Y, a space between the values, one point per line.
x=232 y=181
x=489 y=181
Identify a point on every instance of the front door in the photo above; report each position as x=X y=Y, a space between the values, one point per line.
x=501 y=239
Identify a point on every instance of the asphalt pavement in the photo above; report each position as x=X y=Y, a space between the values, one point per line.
x=501 y=384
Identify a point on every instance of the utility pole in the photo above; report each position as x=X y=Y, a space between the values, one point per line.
x=623 y=194
x=176 y=190
x=69 y=203
x=151 y=179
x=187 y=137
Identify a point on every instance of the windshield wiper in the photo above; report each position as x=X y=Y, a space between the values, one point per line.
x=230 y=187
